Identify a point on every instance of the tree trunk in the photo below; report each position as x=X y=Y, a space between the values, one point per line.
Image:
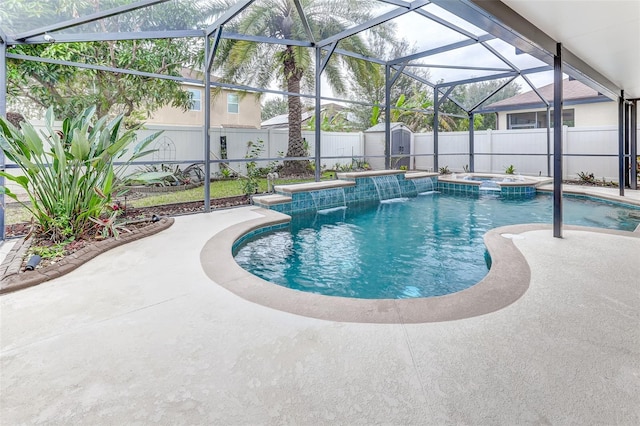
x=296 y=147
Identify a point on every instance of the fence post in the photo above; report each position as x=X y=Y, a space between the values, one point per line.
x=490 y=146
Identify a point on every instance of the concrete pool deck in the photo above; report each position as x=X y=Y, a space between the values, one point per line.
x=141 y=335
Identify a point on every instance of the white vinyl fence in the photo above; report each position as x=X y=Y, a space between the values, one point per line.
x=495 y=150
x=586 y=149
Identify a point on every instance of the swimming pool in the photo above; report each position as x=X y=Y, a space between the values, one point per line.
x=425 y=246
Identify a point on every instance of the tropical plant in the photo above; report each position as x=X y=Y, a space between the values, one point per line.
x=586 y=177
x=260 y=63
x=251 y=182
x=108 y=226
x=511 y=170
x=165 y=174
x=445 y=170
x=69 y=175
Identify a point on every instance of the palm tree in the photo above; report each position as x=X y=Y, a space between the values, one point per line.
x=292 y=66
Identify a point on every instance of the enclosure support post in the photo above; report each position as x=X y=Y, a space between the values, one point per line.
x=634 y=145
x=627 y=145
x=557 y=142
x=436 y=121
x=621 y=143
x=548 y=140
x=471 y=143
x=207 y=125
x=387 y=117
x=3 y=114
x=318 y=110
x=209 y=54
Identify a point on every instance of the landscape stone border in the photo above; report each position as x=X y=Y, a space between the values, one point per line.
x=13 y=278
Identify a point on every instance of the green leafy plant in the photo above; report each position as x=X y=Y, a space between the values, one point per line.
x=445 y=170
x=251 y=181
x=69 y=175
x=51 y=251
x=586 y=177
x=108 y=226
x=226 y=173
x=160 y=175
x=511 y=170
x=466 y=168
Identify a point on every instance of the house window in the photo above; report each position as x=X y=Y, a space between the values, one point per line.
x=196 y=99
x=232 y=103
x=538 y=120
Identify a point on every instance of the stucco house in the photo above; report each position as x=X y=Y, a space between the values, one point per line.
x=582 y=106
x=229 y=108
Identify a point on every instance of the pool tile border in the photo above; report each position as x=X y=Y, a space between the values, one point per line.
x=505 y=283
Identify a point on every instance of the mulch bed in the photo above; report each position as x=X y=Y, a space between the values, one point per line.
x=21 y=229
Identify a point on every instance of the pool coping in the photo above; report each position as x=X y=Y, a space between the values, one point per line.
x=507 y=281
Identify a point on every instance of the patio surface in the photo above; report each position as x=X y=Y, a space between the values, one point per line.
x=140 y=335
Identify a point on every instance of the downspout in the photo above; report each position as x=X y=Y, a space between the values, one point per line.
x=634 y=144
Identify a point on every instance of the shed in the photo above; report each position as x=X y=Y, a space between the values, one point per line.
x=401 y=141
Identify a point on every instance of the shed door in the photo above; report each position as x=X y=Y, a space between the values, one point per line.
x=400 y=148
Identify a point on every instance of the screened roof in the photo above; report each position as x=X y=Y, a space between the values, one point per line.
x=457 y=40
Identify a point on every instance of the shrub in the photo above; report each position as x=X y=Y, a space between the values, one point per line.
x=511 y=170
x=586 y=177
x=69 y=175
x=251 y=181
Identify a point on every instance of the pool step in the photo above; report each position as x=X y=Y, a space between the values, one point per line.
x=270 y=200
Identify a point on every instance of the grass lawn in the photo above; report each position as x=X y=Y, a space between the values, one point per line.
x=219 y=189
x=15 y=213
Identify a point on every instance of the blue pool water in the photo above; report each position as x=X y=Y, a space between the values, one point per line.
x=426 y=246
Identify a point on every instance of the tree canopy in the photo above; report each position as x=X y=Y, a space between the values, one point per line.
x=69 y=90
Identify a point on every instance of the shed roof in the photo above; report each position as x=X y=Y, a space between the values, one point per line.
x=380 y=127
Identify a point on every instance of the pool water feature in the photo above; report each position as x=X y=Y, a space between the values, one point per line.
x=426 y=246
x=328 y=199
x=489 y=183
x=387 y=187
x=423 y=186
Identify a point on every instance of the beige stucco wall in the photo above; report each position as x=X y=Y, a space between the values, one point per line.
x=247 y=116
x=595 y=114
